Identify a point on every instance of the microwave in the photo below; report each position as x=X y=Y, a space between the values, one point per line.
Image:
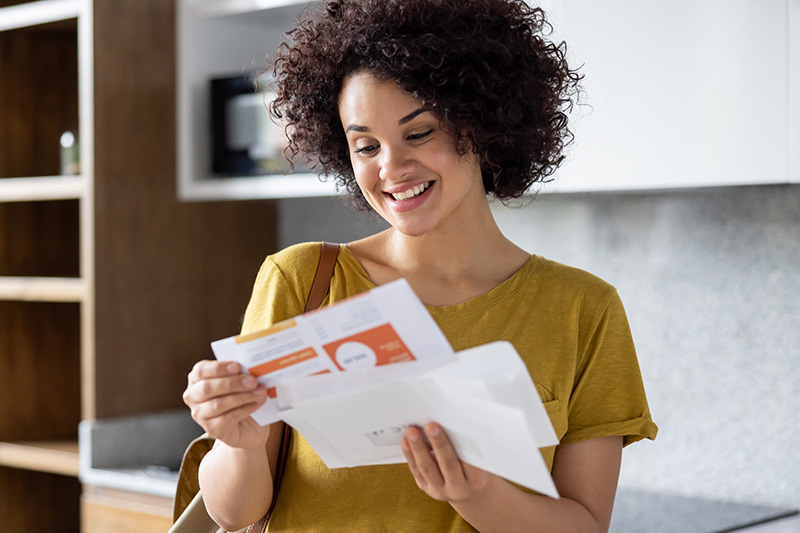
x=245 y=139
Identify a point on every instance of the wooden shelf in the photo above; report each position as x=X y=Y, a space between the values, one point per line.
x=42 y=289
x=42 y=188
x=257 y=187
x=40 y=12
x=54 y=457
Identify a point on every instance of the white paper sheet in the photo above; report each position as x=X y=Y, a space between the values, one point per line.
x=484 y=399
x=380 y=327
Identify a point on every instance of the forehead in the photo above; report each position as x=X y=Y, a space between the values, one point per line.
x=366 y=98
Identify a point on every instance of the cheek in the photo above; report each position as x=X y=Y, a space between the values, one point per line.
x=366 y=183
x=443 y=156
x=366 y=177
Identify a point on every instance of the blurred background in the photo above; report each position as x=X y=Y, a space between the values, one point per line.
x=141 y=187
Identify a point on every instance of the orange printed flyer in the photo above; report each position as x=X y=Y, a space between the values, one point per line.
x=384 y=326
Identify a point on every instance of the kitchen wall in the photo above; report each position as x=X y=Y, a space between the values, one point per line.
x=711 y=283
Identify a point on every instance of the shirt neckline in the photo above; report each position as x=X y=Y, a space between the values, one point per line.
x=476 y=303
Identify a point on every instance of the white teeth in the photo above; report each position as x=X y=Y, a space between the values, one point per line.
x=410 y=193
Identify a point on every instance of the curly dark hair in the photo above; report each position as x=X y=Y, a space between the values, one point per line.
x=482 y=67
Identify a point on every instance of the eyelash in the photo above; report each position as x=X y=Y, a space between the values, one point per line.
x=418 y=136
x=413 y=137
x=365 y=149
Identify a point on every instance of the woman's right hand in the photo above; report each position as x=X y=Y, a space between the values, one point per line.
x=222 y=399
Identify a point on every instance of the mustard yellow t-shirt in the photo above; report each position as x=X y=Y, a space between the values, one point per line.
x=568 y=326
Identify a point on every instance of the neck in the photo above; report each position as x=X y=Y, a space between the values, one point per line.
x=448 y=253
x=446 y=266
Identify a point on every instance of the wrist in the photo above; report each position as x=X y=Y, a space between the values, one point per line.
x=484 y=493
x=487 y=499
x=246 y=453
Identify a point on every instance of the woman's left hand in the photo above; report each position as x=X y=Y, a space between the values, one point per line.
x=436 y=467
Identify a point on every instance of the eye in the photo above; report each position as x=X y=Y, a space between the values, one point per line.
x=418 y=136
x=366 y=149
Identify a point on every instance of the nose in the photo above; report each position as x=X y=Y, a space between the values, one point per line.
x=396 y=163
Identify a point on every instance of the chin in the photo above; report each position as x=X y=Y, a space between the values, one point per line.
x=411 y=231
x=416 y=225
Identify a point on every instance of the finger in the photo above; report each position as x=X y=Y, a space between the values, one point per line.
x=412 y=463
x=423 y=459
x=227 y=405
x=233 y=422
x=213 y=369
x=206 y=389
x=446 y=457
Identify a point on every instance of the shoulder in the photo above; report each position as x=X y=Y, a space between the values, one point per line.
x=573 y=294
x=593 y=306
x=571 y=281
x=282 y=285
x=294 y=266
x=297 y=258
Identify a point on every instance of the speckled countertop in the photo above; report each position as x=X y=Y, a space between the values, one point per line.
x=139 y=453
x=649 y=512
x=142 y=454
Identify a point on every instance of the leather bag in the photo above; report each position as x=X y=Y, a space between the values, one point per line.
x=189 y=514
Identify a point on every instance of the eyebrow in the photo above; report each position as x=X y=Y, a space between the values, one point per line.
x=410 y=116
x=404 y=120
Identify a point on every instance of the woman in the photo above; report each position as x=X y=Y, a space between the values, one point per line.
x=420 y=109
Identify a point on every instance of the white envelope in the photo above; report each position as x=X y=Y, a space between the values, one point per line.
x=484 y=399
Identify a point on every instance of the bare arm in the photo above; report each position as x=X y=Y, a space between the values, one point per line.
x=237 y=482
x=585 y=473
x=236 y=475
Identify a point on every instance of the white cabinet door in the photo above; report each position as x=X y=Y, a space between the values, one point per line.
x=681 y=93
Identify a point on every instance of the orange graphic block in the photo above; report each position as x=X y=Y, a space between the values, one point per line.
x=377 y=346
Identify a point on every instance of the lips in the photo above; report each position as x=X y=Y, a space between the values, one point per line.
x=413 y=192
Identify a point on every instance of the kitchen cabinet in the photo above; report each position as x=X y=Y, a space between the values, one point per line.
x=223 y=38
x=683 y=93
x=110 y=288
x=678 y=94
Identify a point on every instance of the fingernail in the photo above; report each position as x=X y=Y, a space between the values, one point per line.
x=413 y=435
x=260 y=391
x=233 y=368
x=249 y=381
x=433 y=431
x=404 y=445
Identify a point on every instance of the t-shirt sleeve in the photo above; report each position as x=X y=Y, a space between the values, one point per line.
x=281 y=287
x=608 y=397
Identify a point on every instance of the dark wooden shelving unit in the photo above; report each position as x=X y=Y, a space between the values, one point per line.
x=110 y=288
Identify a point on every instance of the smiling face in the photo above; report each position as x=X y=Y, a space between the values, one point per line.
x=407 y=167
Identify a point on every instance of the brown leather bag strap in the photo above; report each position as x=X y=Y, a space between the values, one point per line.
x=322 y=279
x=319 y=288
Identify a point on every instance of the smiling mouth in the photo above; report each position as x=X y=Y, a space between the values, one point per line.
x=413 y=192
